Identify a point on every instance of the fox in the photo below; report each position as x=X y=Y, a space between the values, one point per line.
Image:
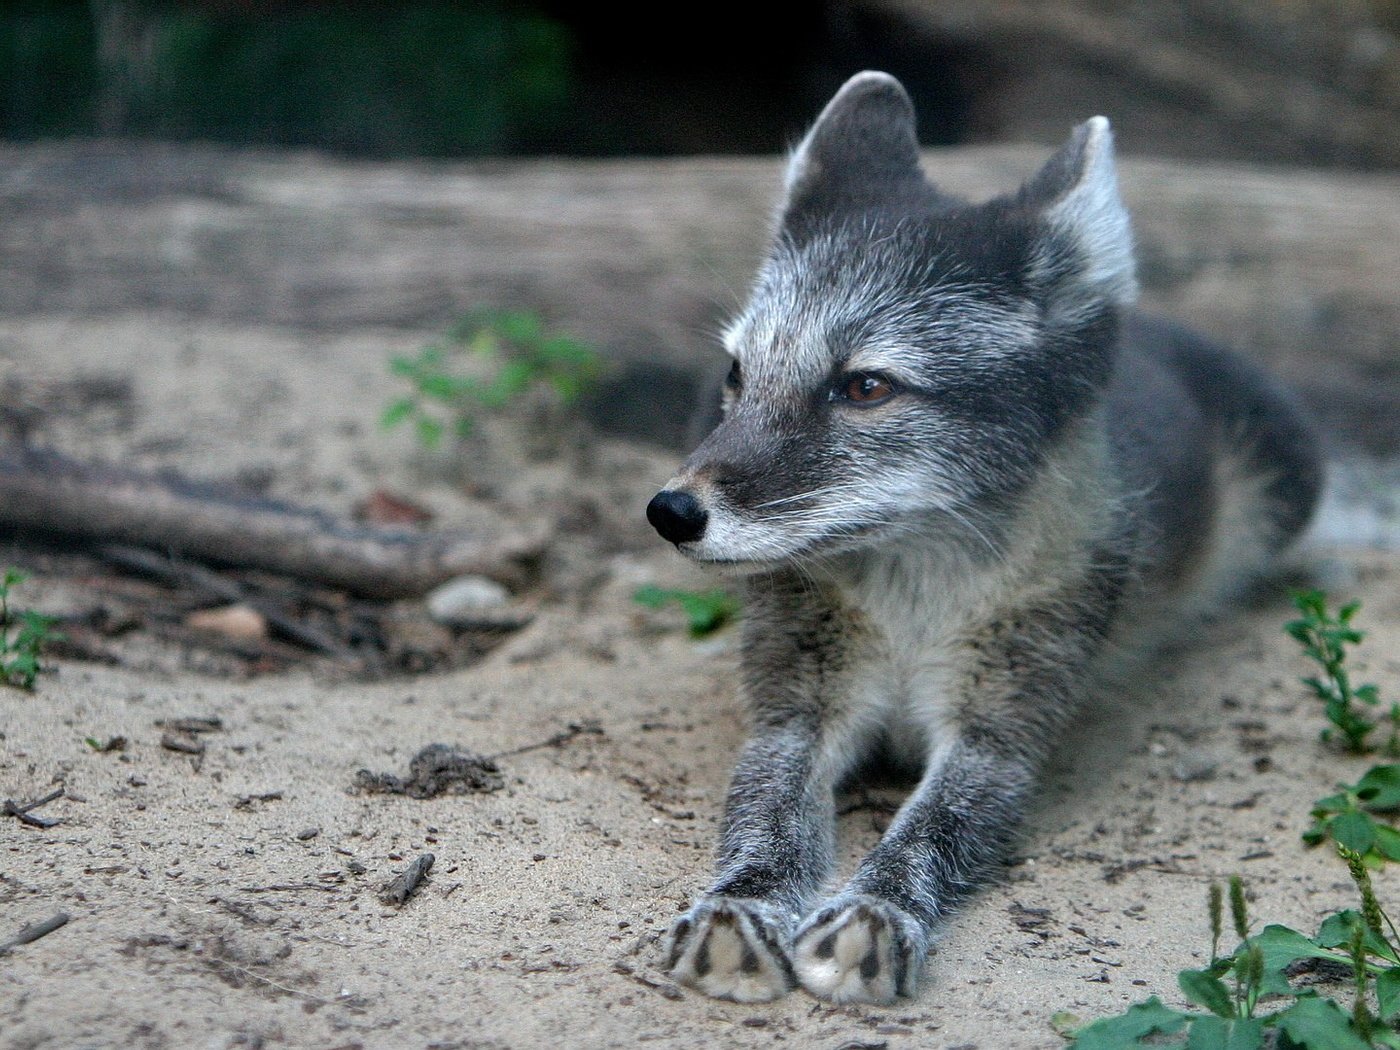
x=961 y=479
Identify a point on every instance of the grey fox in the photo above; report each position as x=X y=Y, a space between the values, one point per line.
x=956 y=472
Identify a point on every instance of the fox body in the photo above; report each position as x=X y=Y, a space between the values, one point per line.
x=959 y=475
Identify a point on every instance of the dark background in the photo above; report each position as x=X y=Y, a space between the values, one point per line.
x=1307 y=82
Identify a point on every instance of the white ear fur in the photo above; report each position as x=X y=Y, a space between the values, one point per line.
x=1090 y=213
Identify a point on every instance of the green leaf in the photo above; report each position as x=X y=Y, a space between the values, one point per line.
x=1206 y=990
x=518 y=327
x=397 y=411
x=1354 y=830
x=1387 y=842
x=1218 y=1033
x=1379 y=789
x=1124 y=1031
x=1318 y=1024
x=429 y=431
x=652 y=596
x=1388 y=993
x=1336 y=930
x=1281 y=947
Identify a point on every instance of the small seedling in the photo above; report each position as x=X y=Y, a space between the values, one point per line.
x=1347 y=816
x=485 y=362
x=1324 y=639
x=22 y=635
x=707 y=611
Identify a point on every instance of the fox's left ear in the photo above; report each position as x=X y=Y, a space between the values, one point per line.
x=862 y=150
x=1087 y=253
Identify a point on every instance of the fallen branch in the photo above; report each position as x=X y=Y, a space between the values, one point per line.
x=44 y=490
x=21 y=811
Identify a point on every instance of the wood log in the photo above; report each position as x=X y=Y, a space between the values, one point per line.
x=45 y=491
x=645 y=258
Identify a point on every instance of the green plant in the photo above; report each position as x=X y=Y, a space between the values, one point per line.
x=1324 y=639
x=1347 y=816
x=1246 y=1000
x=486 y=361
x=19 y=648
x=707 y=611
x=1233 y=994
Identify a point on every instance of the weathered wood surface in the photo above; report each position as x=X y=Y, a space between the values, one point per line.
x=646 y=257
x=50 y=492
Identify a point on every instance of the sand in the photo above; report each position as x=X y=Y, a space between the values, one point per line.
x=231 y=898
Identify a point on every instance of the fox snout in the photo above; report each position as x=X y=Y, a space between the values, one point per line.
x=677 y=515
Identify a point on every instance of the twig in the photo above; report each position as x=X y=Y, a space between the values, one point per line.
x=21 y=810
x=401 y=887
x=34 y=931
x=183 y=573
x=289 y=887
x=575 y=730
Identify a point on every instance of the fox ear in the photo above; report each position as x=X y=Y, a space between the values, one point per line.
x=862 y=146
x=1087 y=255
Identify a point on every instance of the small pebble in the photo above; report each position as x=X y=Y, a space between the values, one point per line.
x=466 y=599
x=308 y=833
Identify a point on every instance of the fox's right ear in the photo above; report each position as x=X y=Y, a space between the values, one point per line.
x=862 y=147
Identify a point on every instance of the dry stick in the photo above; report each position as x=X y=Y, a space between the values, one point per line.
x=44 y=490
x=401 y=887
x=576 y=729
x=34 y=931
x=177 y=572
x=21 y=810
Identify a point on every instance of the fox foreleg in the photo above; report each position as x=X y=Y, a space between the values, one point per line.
x=774 y=852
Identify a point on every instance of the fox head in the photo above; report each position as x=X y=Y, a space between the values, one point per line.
x=906 y=360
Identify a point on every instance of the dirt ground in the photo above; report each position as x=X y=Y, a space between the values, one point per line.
x=232 y=898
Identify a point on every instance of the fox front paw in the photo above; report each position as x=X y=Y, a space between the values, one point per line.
x=859 y=949
x=733 y=949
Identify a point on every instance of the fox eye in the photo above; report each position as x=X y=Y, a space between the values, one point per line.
x=734 y=380
x=864 y=388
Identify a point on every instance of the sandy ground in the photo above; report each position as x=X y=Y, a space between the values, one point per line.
x=232 y=899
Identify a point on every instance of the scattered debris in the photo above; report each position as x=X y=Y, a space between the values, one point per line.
x=34 y=931
x=22 y=811
x=436 y=770
x=666 y=988
x=192 y=724
x=182 y=742
x=382 y=507
x=1037 y=921
x=248 y=801
x=112 y=743
x=401 y=887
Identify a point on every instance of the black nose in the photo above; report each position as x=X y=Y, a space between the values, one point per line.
x=677 y=515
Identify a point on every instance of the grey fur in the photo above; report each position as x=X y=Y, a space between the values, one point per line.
x=940 y=574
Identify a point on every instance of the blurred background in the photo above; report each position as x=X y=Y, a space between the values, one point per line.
x=1314 y=82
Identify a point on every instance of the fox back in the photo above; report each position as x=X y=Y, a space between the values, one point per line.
x=950 y=459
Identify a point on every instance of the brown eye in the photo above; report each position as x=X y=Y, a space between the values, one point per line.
x=864 y=388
